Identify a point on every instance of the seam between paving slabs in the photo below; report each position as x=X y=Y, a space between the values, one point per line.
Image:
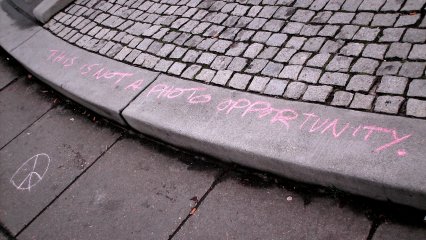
x=218 y=179
x=27 y=127
x=70 y=184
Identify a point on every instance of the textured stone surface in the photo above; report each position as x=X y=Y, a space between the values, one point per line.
x=416 y=108
x=66 y=159
x=21 y=103
x=317 y=93
x=136 y=187
x=391 y=230
x=217 y=118
x=112 y=84
x=342 y=98
x=388 y=104
x=295 y=90
x=360 y=83
x=417 y=88
x=362 y=101
x=223 y=213
x=391 y=84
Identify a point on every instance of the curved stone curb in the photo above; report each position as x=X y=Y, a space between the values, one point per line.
x=374 y=155
x=15 y=28
x=101 y=84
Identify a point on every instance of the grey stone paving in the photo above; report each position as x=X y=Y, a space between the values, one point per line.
x=21 y=104
x=8 y=70
x=145 y=192
x=138 y=189
x=60 y=136
x=273 y=212
x=388 y=231
x=261 y=38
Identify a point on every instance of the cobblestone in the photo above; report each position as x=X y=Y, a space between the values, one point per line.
x=222 y=77
x=295 y=90
x=206 y=58
x=417 y=88
x=272 y=69
x=376 y=51
x=328 y=51
x=318 y=60
x=206 y=75
x=407 y=20
x=337 y=79
x=191 y=71
x=365 y=65
x=342 y=98
x=339 y=63
x=412 y=69
x=398 y=50
x=352 y=49
x=256 y=66
x=392 y=84
x=414 y=35
x=388 y=68
x=221 y=62
x=388 y=104
x=240 y=81
x=261 y=37
x=317 y=93
x=366 y=34
x=362 y=101
x=418 y=52
x=391 y=34
x=360 y=83
x=309 y=75
x=384 y=20
x=258 y=84
x=276 y=39
x=291 y=72
x=276 y=87
x=416 y=108
x=237 y=64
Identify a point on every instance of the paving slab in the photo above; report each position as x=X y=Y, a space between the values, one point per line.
x=389 y=231
x=101 y=84
x=41 y=162
x=15 y=28
x=270 y=213
x=374 y=155
x=9 y=70
x=137 y=190
x=21 y=104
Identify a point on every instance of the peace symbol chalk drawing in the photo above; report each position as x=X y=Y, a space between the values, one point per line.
x=31 y=172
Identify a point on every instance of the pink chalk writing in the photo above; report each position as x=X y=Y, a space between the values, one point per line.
x=61 y=57
x=95 y=71
x=293 y=120
x=278 y=115
x=192 y=95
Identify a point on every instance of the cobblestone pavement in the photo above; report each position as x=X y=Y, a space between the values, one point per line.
x=368 y=55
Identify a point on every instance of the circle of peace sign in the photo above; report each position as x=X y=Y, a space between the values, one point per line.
x=31 y=172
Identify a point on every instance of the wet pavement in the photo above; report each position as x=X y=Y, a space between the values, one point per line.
x=67 y=173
